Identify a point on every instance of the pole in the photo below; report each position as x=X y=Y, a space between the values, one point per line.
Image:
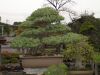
x=2 y=30
x=96 y=69
x=0 y=54
x=0 y=60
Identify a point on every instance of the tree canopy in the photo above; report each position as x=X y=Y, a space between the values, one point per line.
x=43 y=27
x=46 y=15
x=90 y=26
x=78 y=49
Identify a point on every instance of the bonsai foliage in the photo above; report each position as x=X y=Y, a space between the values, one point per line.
x=53 y=40
x=48 y=15
x=32 y=32
x=60 y=69
x=42 y=28
x=23 y=42
x=78 y=49
x=73 y=38
x=58 y=28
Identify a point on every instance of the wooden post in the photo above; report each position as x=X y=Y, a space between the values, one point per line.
x=0 y=56
x=0 y=60
x=96 y=69
x=93 y=66
x=2 y=30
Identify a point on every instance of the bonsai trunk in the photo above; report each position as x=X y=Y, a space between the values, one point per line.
x=23 y=51
x=78 y=64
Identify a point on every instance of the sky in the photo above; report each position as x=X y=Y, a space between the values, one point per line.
x=19 y=10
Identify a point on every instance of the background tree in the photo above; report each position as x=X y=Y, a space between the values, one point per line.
x=89 y=26
x=7 y=28
x=16 y=23
x=60 y=5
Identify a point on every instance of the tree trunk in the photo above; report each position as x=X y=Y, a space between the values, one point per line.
x=96 y=69
x=23 y=51
x=78 y=64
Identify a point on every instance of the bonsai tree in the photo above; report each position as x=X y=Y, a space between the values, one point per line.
x=8 y=57
x=40 y=32
x=78 y=49
x=60 y=69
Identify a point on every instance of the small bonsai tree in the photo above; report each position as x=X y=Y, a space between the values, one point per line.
x=60 y=69
x=8 y=57
x=78 y=49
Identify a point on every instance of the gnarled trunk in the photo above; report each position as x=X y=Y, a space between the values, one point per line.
x=78 y=64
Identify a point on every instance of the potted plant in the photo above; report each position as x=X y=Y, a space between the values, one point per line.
x=60 y=69
x=43 y=28
x=79 y=50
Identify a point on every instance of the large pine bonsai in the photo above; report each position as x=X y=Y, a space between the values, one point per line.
x=40 y=32
x=43 y=34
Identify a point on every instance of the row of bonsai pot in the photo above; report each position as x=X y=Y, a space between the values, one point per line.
x=44 y=60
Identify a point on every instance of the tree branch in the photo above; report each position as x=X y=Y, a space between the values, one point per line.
x=52 y=3
x=62 y=4
x=68 y=10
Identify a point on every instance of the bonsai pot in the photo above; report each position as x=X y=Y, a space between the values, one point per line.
x=40 y=61
x=89 y=72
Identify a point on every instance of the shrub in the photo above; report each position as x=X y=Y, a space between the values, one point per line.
x=60 y=69
x=8 y=57
x=97 y=58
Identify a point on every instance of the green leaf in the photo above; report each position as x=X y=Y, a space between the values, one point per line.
x=60 y=69
x=53 y=40
x=46 y=14
x=74 y=38
x=23 y=42
x=32 y=32
x=58 y=28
